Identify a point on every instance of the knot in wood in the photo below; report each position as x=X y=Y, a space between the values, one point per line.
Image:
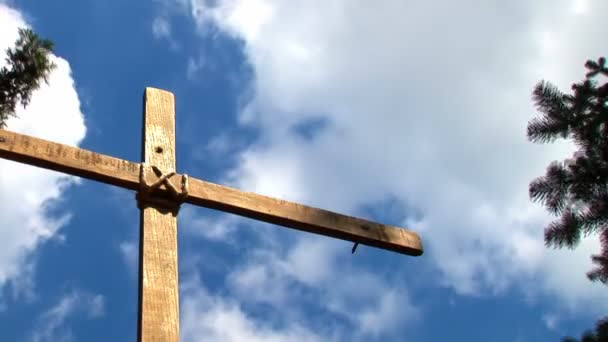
x=153 y=194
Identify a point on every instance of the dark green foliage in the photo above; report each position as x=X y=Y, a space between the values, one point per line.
x=599 y=335
x=576 y=189
x=27 y=64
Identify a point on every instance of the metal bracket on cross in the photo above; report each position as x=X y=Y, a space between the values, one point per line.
x=148 y=192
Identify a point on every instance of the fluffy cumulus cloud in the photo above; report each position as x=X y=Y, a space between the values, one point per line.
x=426 y=103
x=264 y=298
x=309 y=270
x=27 y=192
x=222 y=319
x=52 y=324
x=277 y=282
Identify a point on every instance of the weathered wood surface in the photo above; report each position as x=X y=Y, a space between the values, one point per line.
x=159 y=290
x=68 y=159
x=305 y=218
x=125 y=174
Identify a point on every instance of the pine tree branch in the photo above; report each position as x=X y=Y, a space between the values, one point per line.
x=564 y=232
x=28 y=64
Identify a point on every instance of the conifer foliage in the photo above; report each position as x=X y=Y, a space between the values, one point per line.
x=599 y=335
x=576 y=189
x=27 y=64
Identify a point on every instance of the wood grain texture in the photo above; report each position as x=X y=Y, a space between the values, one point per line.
x=159 y=291
x=123 y=173
x=158 y=277
x=304 y=218
x=67 y=159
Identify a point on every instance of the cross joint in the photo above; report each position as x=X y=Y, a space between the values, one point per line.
x=161 y=193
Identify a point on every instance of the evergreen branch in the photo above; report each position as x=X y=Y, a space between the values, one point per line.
x=576 y=189
x=544 y=130
x=596 y=68
x=27 y=64
x=549 y=100
x=600 y=272
x=564 y=232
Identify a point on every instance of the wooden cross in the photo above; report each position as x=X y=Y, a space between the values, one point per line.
x=160 y=191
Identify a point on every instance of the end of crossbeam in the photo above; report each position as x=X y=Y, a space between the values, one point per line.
x=390 y=238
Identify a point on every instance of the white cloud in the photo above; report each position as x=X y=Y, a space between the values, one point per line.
x=51 y=325
x=23 y=285
x=161 y=24
x=315 y=270
x=196 y=66
x=27 y=192
x=427 y=102
x=214 y=318
x=284 y=278
x=580 y=6
x=387 y=315
x=218 y=228
x=219 y=145
x=161 y=28
x=551 y=321
x=129 y=251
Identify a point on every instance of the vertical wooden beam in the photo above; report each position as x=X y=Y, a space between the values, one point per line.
x=158 y=284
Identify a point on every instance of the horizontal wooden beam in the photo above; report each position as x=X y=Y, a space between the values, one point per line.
x=125 y=174
x=305 y=218
x=67 y=159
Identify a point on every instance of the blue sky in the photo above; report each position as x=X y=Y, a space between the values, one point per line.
x=411 y=114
